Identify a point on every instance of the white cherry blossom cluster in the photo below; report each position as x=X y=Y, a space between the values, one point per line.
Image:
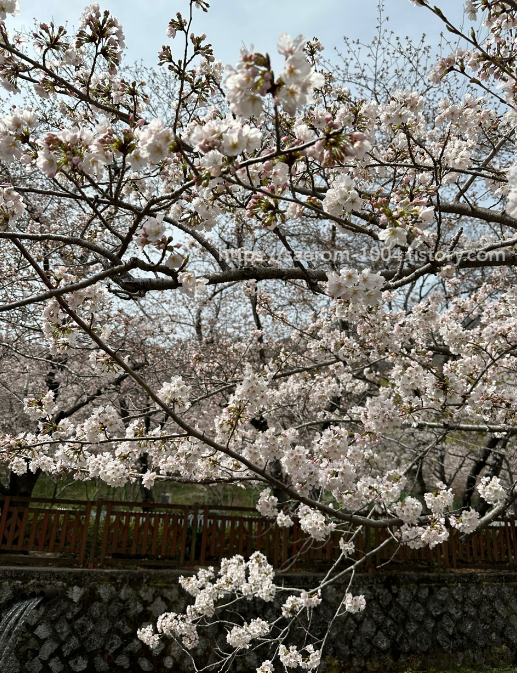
x=155 y=141
x=203 y=212
x=147 y=636
x=111 y=470
x=211 y=69
x=103 y=363
x=190 y=285
x=307 y=659
x=302 y=472
x=432 y=534
x=11 y=7
x=253 y=389
x=90 y=298
x=314 y=523
x=103 y=423
x=76 y=148
x=440 y=499
x=250 y=395
x=297 y=81
x=15 y=130
x=153 y=233
x=253 y=79
x=384 y=488
x=267 y=503
x=175 y=626
x=392 y=236
x=37 y=407
x=260 y=577
x=247 y=84
x=347 y=547
x=176 y=259
x=411 y=536
x=196 y=583
x=18 y=465
x=305 y=601
x=12 y=206
x=332 y=445
x=240 y=637
x=176 y=393
x=359 y=288
x=284 y=520
x=416 y=535
x=148 y=479
x=227 y=136
x=251 y=579
x=491 y=490
x=435 y=533
x=266 y=667
x=409 y=510
x=269 y=445
x=467 y=522
x=331 y=464
x=342 y=197
x=59 y=332
x=354 y=604
x=213 y=161
x=42 y=462
x=511 y=208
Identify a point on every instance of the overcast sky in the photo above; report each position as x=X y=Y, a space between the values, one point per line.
x=230 y=23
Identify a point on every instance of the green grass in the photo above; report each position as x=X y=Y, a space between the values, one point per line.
x=181 y=494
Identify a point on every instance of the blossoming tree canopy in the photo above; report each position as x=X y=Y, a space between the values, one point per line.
x=301 y=281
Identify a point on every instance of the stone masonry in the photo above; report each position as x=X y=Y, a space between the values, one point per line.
x=411 y=621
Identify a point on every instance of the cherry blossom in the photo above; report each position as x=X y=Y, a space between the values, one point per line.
x=491 y=490
x=273 y=279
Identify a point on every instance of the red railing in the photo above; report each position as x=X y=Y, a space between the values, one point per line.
x=75 y=532
x=26 y=527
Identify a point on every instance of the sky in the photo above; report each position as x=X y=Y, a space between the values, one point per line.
x=231 y=23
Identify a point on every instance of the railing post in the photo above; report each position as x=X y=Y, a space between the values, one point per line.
x=84 y=538
x=105 y=535
x=513 y=540
x=194 y=537
x=3 y=520
x=204 y=536
x=368 y=548
x=98 y=505
x=183 y=542
x=453 y=539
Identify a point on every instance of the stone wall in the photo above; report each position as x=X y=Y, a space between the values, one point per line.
x=411 y=621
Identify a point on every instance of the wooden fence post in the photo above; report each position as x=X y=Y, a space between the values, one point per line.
x=183 y=543
x=3 y=520
x=193 y=539
x=513 y=540
x=366 y=542
x=204 y=535
x=105 y=535
x=84 y=539
x=98 y=505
